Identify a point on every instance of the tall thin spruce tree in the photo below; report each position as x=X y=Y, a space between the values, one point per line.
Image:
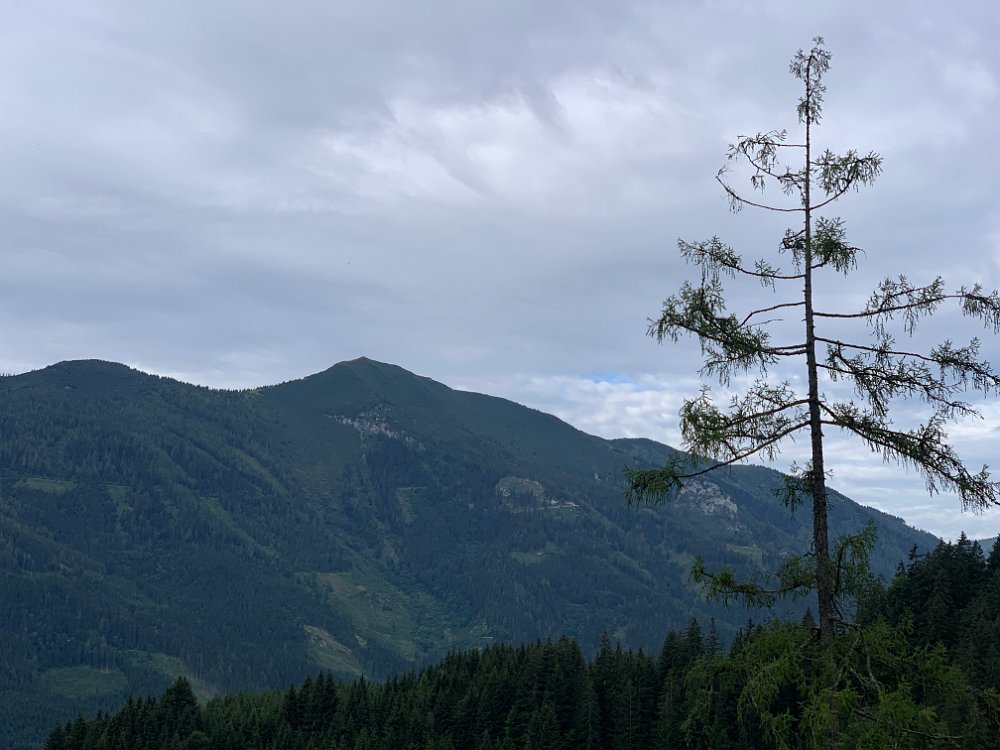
x=881 y=372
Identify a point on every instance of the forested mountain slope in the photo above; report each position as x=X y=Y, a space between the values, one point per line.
x=360 y=520
x=921 y=669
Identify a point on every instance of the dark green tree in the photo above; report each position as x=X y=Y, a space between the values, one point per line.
x=881 y=372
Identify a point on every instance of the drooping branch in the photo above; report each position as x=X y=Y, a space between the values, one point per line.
x=898 y=296
x=827 y=246
x=835 y=175
x=881 y=377
x=794 y=578
x=875 y=349
x=657 y=486
x=925 y=448
x=737 y=201
x=751 y=422
x=727 y=343
x=961 y=363
x=763 y=168
x=714 y=256
x=986 y=307
x=879 y=402
x=838 y=174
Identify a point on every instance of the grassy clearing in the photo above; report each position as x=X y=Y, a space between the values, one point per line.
x=174 y=668
x=753 y=553
x=220 y=514
x=81 y=683
x=377 y=611
x=330 y=654
x=532 y=558
x=43 y=484
x=118 y=493
x=406 y=497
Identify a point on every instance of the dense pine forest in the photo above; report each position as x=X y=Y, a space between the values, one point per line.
x=921 y=669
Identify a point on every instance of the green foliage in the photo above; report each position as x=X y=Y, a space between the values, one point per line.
x=869 y=689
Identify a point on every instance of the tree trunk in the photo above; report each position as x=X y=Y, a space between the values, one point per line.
x=817 y=473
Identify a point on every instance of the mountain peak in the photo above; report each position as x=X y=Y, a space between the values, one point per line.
x=87 y=365
x=367 y=364
x=358 y=382
x=359 y=366
x=96 y=378
x=75 y=372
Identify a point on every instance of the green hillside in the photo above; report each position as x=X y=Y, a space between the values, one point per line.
x=361 y=520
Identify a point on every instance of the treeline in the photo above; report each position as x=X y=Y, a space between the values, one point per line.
x=921 y=669
x=543 y=695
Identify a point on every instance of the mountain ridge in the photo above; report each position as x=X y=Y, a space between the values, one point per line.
x=362 y=519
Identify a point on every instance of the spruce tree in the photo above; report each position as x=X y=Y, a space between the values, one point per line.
x=881 y=371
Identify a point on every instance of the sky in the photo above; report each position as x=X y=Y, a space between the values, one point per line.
x=488 y=193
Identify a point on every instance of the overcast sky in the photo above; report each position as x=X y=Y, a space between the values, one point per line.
x=487 y=193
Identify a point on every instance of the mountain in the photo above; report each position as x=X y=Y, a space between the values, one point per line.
x=360 y=520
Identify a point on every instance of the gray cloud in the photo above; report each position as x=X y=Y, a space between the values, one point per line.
x=487 y=193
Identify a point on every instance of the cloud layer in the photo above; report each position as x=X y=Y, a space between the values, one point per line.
x=487 y=193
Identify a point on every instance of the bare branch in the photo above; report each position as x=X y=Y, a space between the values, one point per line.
x=772 y=308
x=833 y=198
x=873 y=313
x=736 y=201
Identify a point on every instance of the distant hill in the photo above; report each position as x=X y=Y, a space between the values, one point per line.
x=987 y=544
x=360 y=520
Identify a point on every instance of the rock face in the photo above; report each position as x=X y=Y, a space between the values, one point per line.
x=511 y=486
x=373 y=423
x=709 y=499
